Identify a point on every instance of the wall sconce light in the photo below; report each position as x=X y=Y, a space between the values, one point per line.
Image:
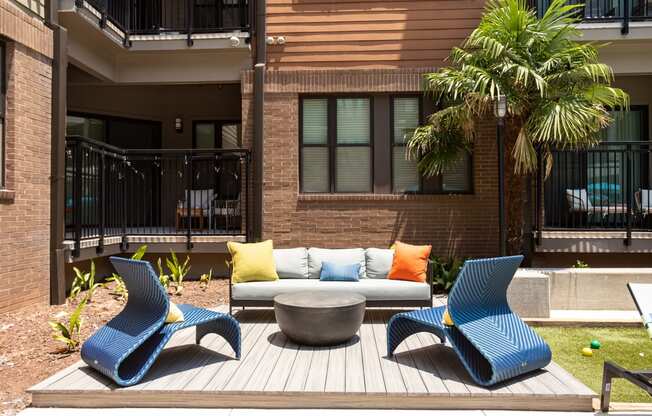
x=178 y=125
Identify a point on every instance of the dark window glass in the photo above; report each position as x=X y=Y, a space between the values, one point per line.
x=336 y=159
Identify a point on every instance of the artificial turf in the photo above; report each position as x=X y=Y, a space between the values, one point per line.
x=629 y=347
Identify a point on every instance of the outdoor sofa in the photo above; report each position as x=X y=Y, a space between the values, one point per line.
x=299 y=270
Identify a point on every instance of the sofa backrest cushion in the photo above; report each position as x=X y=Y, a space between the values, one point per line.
x=291 y=263
x=379 y=262
x=339 y=256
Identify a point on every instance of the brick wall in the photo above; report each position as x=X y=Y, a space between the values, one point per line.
x=464 y=225
x=25 y=204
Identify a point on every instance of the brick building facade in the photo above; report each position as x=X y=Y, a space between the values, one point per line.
x=25 y=196
x=455 y=224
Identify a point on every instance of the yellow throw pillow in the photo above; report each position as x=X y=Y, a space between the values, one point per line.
x=447 y=320
x=252 y=262
x=174 y=314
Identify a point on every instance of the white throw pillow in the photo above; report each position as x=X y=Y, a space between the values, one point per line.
x=379 y=262
x=578 y=199
x=339 y=256
x=291 y=263
x=646 y=198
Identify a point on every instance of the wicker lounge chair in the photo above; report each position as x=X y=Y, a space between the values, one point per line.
x=126 y=347
x=491 y=341
x=642 y=294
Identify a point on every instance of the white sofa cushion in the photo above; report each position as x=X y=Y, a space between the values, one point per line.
x=372 y=289
x=291 y=263
x=338 y=256
x=379 y=262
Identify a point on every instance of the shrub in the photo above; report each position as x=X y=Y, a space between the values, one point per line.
x=178 y=271
x=68 y=332
x=579 y=264
x=445 y=271
x=162 y=277
x=84 y=281
x=205 y=279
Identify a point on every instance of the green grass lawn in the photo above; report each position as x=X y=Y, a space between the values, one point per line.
x=628 y=347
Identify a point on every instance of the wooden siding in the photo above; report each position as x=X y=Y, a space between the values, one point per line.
x=367 y=33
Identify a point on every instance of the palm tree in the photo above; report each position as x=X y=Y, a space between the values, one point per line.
x=558 y=94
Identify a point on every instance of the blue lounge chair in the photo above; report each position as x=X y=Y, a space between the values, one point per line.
x=491 y=341
x=126 y=347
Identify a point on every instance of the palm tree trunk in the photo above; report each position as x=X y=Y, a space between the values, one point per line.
x=515 y=192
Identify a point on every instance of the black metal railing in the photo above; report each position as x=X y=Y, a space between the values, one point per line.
x=623 y=11
x=147 y=17
x=606 y=187
x=113 y=192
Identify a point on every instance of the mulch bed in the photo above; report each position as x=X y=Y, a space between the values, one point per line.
x=28 y=354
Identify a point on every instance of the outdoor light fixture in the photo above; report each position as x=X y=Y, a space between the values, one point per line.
x=500 y=107
x=500 y=111
x=178 y=125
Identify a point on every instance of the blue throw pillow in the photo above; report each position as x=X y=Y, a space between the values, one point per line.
x=334 y=272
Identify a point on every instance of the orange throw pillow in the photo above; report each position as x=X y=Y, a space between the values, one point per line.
x=410 y=262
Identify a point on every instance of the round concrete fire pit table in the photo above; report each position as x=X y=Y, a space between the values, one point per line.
x=319 y=318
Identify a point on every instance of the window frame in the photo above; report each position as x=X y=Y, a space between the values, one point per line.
x=3 y=114
x=427 y=186
x=331 y=141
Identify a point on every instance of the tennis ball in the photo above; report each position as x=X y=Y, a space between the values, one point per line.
x=587 y=352
x=595 y=344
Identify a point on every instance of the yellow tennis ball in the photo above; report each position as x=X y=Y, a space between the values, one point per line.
x=587 y=352
x=447 y=319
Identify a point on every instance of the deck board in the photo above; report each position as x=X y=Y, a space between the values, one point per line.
x=274 y=372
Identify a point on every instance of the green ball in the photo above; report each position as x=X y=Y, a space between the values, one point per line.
x=595 y=344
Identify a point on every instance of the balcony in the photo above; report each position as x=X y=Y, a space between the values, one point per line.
x=602 y=193
x=622 y=12
x=133 y=18
x=114 y=197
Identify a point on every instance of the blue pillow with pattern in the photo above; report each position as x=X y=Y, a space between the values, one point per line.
x=336 y=272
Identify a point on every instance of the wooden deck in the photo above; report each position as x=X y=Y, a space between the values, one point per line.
x=276 y=373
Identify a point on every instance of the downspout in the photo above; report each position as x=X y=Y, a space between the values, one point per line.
x=259 y=119
x=58 y=154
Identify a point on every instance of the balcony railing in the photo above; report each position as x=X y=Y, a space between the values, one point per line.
x=112 y=192
x=154 y=17
x=603 y=188
x=623 y=11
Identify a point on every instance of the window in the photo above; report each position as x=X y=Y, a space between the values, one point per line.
x=3 y=92
x=336 y=145
x=86 y=126
x=216 y=135
x=339 y=147
x=405 y=117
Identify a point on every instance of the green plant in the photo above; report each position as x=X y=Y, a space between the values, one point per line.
x=162 y=277
x=68 y=332
x=445 y=271
x=84 y=281
x=205 y=279
x=558 y=95
x=178 y=271
x=579 y=264
x=119 y=288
